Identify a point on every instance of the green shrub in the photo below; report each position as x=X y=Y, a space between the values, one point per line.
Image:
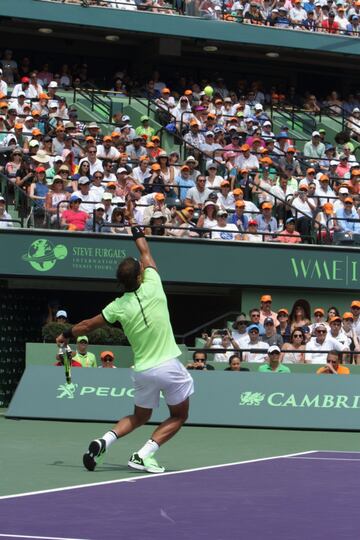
x=102 y=336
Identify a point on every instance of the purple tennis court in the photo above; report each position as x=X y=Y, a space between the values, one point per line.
x=308 y=495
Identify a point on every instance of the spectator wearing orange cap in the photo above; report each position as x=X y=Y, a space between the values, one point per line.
x=319 y=317
x=156 y=203
x=226 y=198
x=355 y=310
x=246 y=160
x=349 y=330
x=106 y=150
x=263 y=182
x=353 y=182
x=265 y=309
x=283 y=327
x=165 y=104
x=107 y=359
x=250 y=207
x=184 y=181
x=194 y=137
x=324 y=191
x=345 y=216
x=266 y=222
x=336 y=332
x=142 y=171
x=325 y=222
x=239 y=218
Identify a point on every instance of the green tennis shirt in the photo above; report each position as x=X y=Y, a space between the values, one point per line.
x=145 y=319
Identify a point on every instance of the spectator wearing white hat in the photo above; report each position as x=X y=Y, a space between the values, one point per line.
x=266 y=130
x=61 y=316
x=321 y=343
x=209 y=147
x=85 y=195
x=96 y=222
x=314 y=150
x=343 y=193
x=223 y=229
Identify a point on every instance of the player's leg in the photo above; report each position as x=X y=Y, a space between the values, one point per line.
x=143 y=459
x=126 y=425
x=177 y=386
x=178 y=416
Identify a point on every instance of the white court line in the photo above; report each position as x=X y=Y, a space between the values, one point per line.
x=325 y=458
x=338 y=451
x=39 y=537
x=145 y=477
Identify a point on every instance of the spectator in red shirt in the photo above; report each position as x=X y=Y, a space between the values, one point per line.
x=74 y=219
x=330 y=25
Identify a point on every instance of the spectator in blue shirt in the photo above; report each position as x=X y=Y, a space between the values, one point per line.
x=239 y=218
x=266 y=222
x=184 y=181
x=345 y=213
x=309 y=23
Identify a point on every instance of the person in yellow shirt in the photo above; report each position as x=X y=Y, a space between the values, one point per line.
x=82 y=355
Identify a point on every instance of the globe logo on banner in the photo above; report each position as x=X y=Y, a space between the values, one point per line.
x=42 y=255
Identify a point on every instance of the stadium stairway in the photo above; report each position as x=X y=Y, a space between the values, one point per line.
x=102 y=109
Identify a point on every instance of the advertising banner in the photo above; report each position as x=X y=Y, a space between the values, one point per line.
x=90 y=256
x=221 y=398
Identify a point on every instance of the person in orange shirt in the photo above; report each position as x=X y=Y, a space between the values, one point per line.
x=333 y=366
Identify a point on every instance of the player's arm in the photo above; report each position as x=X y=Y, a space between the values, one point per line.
x=139 y=237
x=81 y=329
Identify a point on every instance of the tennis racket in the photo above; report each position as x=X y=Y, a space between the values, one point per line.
x=66 y=356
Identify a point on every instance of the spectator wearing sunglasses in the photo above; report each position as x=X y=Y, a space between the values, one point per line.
x=107 y=359
x=239 y=331
x=284 y=329
x=321 y=344
x=273 y=364
x=199 y=361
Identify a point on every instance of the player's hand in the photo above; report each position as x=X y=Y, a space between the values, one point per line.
x=61 y=341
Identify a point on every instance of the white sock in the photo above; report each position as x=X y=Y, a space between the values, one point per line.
x=109 y=438
x=150 y=447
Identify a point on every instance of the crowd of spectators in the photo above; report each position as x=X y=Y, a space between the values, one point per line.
x=288 y=336
x=240 y=179
x=327 y=16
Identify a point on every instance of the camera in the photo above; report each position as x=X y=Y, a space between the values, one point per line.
x=222 y=332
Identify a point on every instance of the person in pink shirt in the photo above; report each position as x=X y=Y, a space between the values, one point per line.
x=265 y=309
x=289 y=235
x=343 y=167
x=74 y=219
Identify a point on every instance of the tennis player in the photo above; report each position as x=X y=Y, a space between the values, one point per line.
x=143 y=314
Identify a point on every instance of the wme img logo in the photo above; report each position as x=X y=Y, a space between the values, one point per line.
x=42 y=255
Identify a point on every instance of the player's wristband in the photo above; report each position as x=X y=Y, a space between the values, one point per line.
x=137 y=232
x=68 y=333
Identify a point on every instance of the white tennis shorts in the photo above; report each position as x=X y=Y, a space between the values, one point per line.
x=171 y=378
